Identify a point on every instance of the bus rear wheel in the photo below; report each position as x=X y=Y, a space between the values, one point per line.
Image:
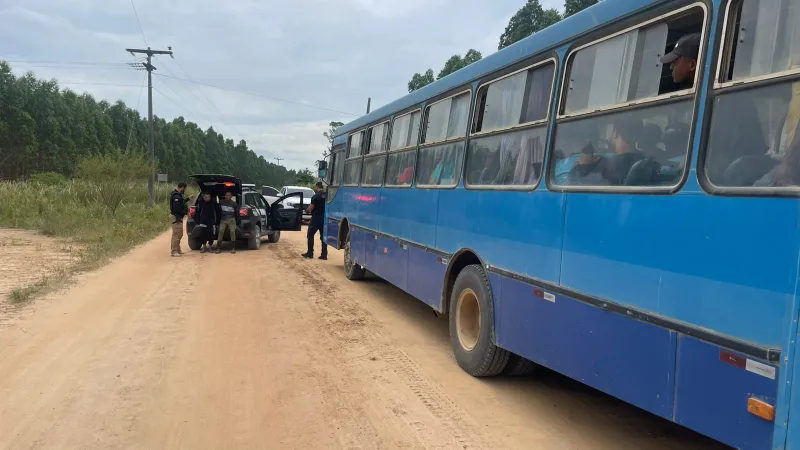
x=352 y=270
x=472 y=325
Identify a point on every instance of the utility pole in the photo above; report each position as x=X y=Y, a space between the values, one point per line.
x=279 y=160
x=151 y=135
x=369 y=103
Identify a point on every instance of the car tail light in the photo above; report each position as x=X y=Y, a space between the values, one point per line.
x=191 y=211
x=243 y=212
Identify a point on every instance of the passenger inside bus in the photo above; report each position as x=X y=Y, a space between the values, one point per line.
x=682 y=60
x=611 y=170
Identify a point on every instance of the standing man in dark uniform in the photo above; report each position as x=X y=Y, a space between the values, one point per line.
x=177 y=211
x=317 y=210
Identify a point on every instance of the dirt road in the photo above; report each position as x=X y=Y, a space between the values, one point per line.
x=266 y=350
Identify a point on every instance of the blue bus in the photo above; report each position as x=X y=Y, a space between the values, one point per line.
x=569 y=202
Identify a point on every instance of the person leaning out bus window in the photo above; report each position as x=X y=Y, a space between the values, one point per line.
x=683 y=60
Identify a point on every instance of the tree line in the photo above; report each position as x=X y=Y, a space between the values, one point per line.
x=44 y=128
x=530 y=19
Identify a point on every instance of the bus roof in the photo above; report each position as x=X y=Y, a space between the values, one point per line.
x=563 y=31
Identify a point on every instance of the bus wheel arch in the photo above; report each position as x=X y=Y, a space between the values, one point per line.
x=461 y=259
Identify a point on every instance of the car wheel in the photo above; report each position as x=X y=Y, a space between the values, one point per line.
x=274 y=237
x=472 y=325
x=194 y=244
x=352 y=270
x=254 y=242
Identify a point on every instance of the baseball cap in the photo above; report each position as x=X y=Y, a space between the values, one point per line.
x=688 y=45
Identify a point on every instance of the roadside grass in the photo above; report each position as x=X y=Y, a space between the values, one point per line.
x=71 y=211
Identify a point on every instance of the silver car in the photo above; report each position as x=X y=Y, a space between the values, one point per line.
x=307 y=194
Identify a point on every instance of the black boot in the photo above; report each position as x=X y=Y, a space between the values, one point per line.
x=307 y=255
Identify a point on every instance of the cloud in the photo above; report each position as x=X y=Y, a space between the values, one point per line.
x=327 y=53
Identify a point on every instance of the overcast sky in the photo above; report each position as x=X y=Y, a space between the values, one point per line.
x=331 y=54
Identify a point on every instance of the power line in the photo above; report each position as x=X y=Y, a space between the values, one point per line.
x=136 y=13
x=62 y=63
x=69 y=83
x=262 y=96
x=138 y=102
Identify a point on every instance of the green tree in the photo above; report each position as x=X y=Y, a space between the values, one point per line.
x=305 y=178
x=456 y=62
x=115 y=174
x=575 y=6
x=419 y=81
x=530 y=19
x=329 y=135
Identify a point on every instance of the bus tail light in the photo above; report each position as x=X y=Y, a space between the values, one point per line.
x=761 y=409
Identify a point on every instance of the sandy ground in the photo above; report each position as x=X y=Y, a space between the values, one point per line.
x=266 y=350
x=27 y=256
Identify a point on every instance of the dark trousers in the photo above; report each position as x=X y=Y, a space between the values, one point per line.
x=312 y=229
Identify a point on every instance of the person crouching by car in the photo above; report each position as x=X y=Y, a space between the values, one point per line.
x=228 y=221
x=177 y=211
x=207 y=214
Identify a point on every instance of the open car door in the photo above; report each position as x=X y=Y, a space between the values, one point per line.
x=287 y=219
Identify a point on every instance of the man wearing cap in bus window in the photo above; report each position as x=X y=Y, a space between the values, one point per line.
x=683 y=60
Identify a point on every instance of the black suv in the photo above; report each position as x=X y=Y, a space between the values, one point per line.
x=256 y=217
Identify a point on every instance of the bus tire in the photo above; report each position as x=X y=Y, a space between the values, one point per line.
x=520 y=367
x=352 y=270
x=472 y=325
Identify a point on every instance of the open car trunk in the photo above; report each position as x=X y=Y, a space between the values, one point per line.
x=218 y=184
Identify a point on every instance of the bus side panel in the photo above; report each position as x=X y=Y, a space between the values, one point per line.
x=631 y=360
x=393 y=261
x=358 y=239
x=371 y=254
x=713 y=387
x=518 y=231
x=332 y=233
x=410 y=214
x=691 y=257
x=793 y=436
x=426 y=277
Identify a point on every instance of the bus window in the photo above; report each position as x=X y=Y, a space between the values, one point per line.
x=377 y=138
x=400 y=168
x=447 y=119
x=355 y=144
x=440 y=165
x=405 y=130
x=373 y=171
x=753 y=140
x=352 y=172
x=513 y=158
x=638 y=134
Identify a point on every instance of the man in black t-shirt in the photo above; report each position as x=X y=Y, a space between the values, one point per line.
x=317 y=210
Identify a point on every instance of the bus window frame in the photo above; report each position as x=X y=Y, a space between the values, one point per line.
x=386 y=144
x=514 y=128
x=391 y=130
x=426 y=145
x=364 y=168
x=349 y=139
x=725 y=87
x=401 y=186
x=692 y=94
x=725 y=55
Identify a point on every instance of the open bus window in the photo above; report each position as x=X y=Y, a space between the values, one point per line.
x=405 y=131
x=630 y=147
x=373 y=171
x=377 y=138
x=447 y=119
x=355 y=144
x=753 y=139
x=627 y=67
x=400 y=168
x=440 y=165
x=514 y=100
